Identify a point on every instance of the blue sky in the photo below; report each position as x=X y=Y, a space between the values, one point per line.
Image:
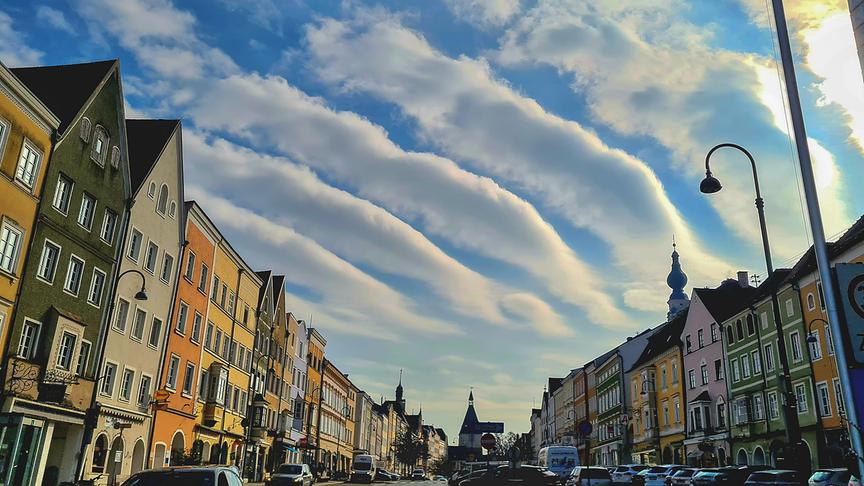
x=480 y=192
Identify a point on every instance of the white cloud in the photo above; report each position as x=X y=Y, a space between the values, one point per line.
x=54 y=18
x=13 y=50
x=484 y=13
x=461 y=108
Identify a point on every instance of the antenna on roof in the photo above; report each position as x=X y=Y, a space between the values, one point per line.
x=755 y=279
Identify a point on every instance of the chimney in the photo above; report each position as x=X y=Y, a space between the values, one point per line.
x=743 y=279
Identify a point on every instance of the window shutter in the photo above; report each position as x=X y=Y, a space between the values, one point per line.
x=115 y=156
x=86 y=127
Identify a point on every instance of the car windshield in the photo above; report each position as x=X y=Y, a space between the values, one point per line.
x=362 y=466
x=594 y=473
x=171 y=478
x=290 y=469
x=759 y=476
x=822 y=476
x=684 y=473
x=639 y=468
x=658 y=469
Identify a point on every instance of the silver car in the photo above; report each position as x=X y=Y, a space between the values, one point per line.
x=291 y=475
x=624 y=474
x=774 y=477
x=585 y=476
x=830 y=477
x=186 y=476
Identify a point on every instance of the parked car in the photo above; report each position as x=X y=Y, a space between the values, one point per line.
x=725 y=476
x=291 y=474
x=681 y=477
x=774 y=477
x=522 y=475
x=830 y=477
x=186 y=476
x=853 y=481
x=439 y=478
x=593 y=476
x=624 y=474
x=385 y=475
x=418 y=474
x=656 y=475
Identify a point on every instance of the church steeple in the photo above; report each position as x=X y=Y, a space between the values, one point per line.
x=471 y=397
x=399 y=398
x=676 y=280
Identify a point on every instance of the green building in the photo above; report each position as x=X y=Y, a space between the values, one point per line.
x=751 y=350
x=52 y=348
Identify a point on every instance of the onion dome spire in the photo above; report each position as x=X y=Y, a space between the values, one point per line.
x=676 y=280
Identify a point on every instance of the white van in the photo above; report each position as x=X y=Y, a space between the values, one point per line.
x=364 y=468
x=559 y=459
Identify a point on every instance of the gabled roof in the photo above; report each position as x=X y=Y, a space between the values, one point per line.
x=264 y=275
x=664 y=338
x=146 y=140
x=66 y=88
x=554 y=384
x=727 y=299
x=441 y=434
x=702 y=397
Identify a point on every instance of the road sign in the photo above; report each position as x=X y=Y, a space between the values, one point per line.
x=585 y=428
x=161 y=395
x=302 y=442
x=488 y=441
x=625 y=418
x=850 y=289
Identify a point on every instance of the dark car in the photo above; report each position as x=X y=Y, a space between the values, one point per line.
x=830 y=477
x=725 y=476
x=525 y=475
x=779 y=477
x=681 y=477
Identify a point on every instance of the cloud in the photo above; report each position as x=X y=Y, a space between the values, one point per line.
x=461 y=108
x=680 y=91
x=55 y=18
x=484 y=13
x=13 y=51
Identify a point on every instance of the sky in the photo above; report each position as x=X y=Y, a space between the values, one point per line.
x=483 y=193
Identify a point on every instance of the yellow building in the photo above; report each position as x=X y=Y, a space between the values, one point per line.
x=226 y=358
x=26 y=127
x=315 y=344
x=338 y=403
x=657 y=397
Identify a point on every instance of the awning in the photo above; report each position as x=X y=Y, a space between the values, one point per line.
x=695 y=454
x=289 y=447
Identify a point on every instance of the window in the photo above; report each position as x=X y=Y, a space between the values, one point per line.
x=28 y=165
x=10 y=247
x=751 y=329
x=109 y=374
x=757 y=407
x=704 y=369
x=677 y=411
x=196 y=327
x=188 y=379
x=745 y=365
x=190 y=266
x=138 y=324
x=99 y=149
x=167 y=266
x=829 y=343
x=773 y=409
x=48 y=261
x=135 y=245
x=764 y=320
x=790 y=308
x=718 y=369
x=795 y=339
x=666 y=414
x=715 y=334
x=208 y=335
x=801 y=397
x=74 y=274
x=674 y=373
x=88 y=209
x=150 y=257
x=811 y=302
x=109 y=226
x=215 y=290
x=97 y=284
x=736 y=373
x=691 y=378
x=203 y=384
x=115 y=156
x=217 y=343
x=815 y=347
x=63 y=194
x=757 y=362
x=182 y=315
x=172 y=209
x=155 y=332
x=66 y=350
x=86 y=126
x=700 y=338
x=4 y=135
x=151 y=190
x=173 y=369
x=663 y=377
x=821 y=295
x=202 y=282
x=83 y=356
x=126 y=384
x=769 y=357
x=824 y=402
x=224 y=298
x=122 y=314
x=721 y=415
x=162 y=203
x=730 y=335
x=144 y=391
x=688 y=345
x=838 y=397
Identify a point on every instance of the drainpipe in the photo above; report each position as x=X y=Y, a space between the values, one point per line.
x=240 y=273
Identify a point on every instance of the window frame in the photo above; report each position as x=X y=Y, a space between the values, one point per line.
x=78 y=363
x=105 y=382
x=132 y=335
x=795 y=347
x=798 y=401
x=66 y=288
x=153 y=320
x=63 y=178
x=128 y=252
x=97 y=303
x=33 y=342
x=103 y=148
x=120 y=396
x=5 y=129
x=171 y=382
x=189 y=271
x=15 y=258
x=820 y=387
x=37 y=166
x=190 y=377
x=71 y=352
x=145 y=378
x=181 y=317
x=81 y=214
x=165 y=259
x=146 y=262
x=110 y=240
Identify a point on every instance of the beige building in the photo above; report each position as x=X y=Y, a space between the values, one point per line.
x=136 y=336
x=338 y=403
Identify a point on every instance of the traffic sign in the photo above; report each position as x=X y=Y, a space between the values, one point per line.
x=302 y=442
x=585 y=428
x=850 y=287
x=161 y=395
x=488 y=441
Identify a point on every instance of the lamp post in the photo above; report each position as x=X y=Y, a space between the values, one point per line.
x=309 y=458
x=645 y=392
x=93 y=411
x=345 y=411
x=710 y=185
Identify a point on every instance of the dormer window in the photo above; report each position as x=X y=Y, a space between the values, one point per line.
x=99 y=149
x=86 y=127
x=151 y=190
x=162 y=203
x=115 y=156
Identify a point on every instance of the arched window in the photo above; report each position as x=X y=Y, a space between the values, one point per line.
x=739 y=327
x=741 y=460
x=730 y=335
x=151 y=190
x=750 y=328
x=172 y=209
x=162 y=203
x=811 y=301
x=86 y=126
x=100 y=453
x=99 y=149
x=115 y=156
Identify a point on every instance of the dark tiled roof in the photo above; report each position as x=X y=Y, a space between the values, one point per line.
x=702 y=397
x=264 y=275
x=807 y=263
x=146 y=139
x=727 y=299
x=441 y=433
x=470 y=420
x=554 y=384
x=665 y=337
x=64 y=89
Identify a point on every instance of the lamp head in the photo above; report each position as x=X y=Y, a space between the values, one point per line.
x=811 y=338
x=142 y=294
x=710 y=184
x=643 y=392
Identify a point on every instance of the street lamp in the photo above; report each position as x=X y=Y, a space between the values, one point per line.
x=345 y=411
x=710 y=185
x=645 y=391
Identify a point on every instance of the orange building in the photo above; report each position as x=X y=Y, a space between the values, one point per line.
x=174 y=420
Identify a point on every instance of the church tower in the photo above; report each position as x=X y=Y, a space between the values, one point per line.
x=400 y=400
x=676 y=280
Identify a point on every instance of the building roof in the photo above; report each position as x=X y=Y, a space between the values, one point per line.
x=664 y=338
x=441 y=434
x=726 y=300
x=264 y=275
x=702 y=397
x=554 y=384
x=146 y=140
x=66 y=88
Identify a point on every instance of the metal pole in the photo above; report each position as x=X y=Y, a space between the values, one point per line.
x=816 y=226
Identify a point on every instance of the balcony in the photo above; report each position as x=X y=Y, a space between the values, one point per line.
x=211 y=414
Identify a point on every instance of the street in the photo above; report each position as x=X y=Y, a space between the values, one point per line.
x=405 y=483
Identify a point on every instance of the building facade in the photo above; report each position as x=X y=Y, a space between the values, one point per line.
x=338 y=405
